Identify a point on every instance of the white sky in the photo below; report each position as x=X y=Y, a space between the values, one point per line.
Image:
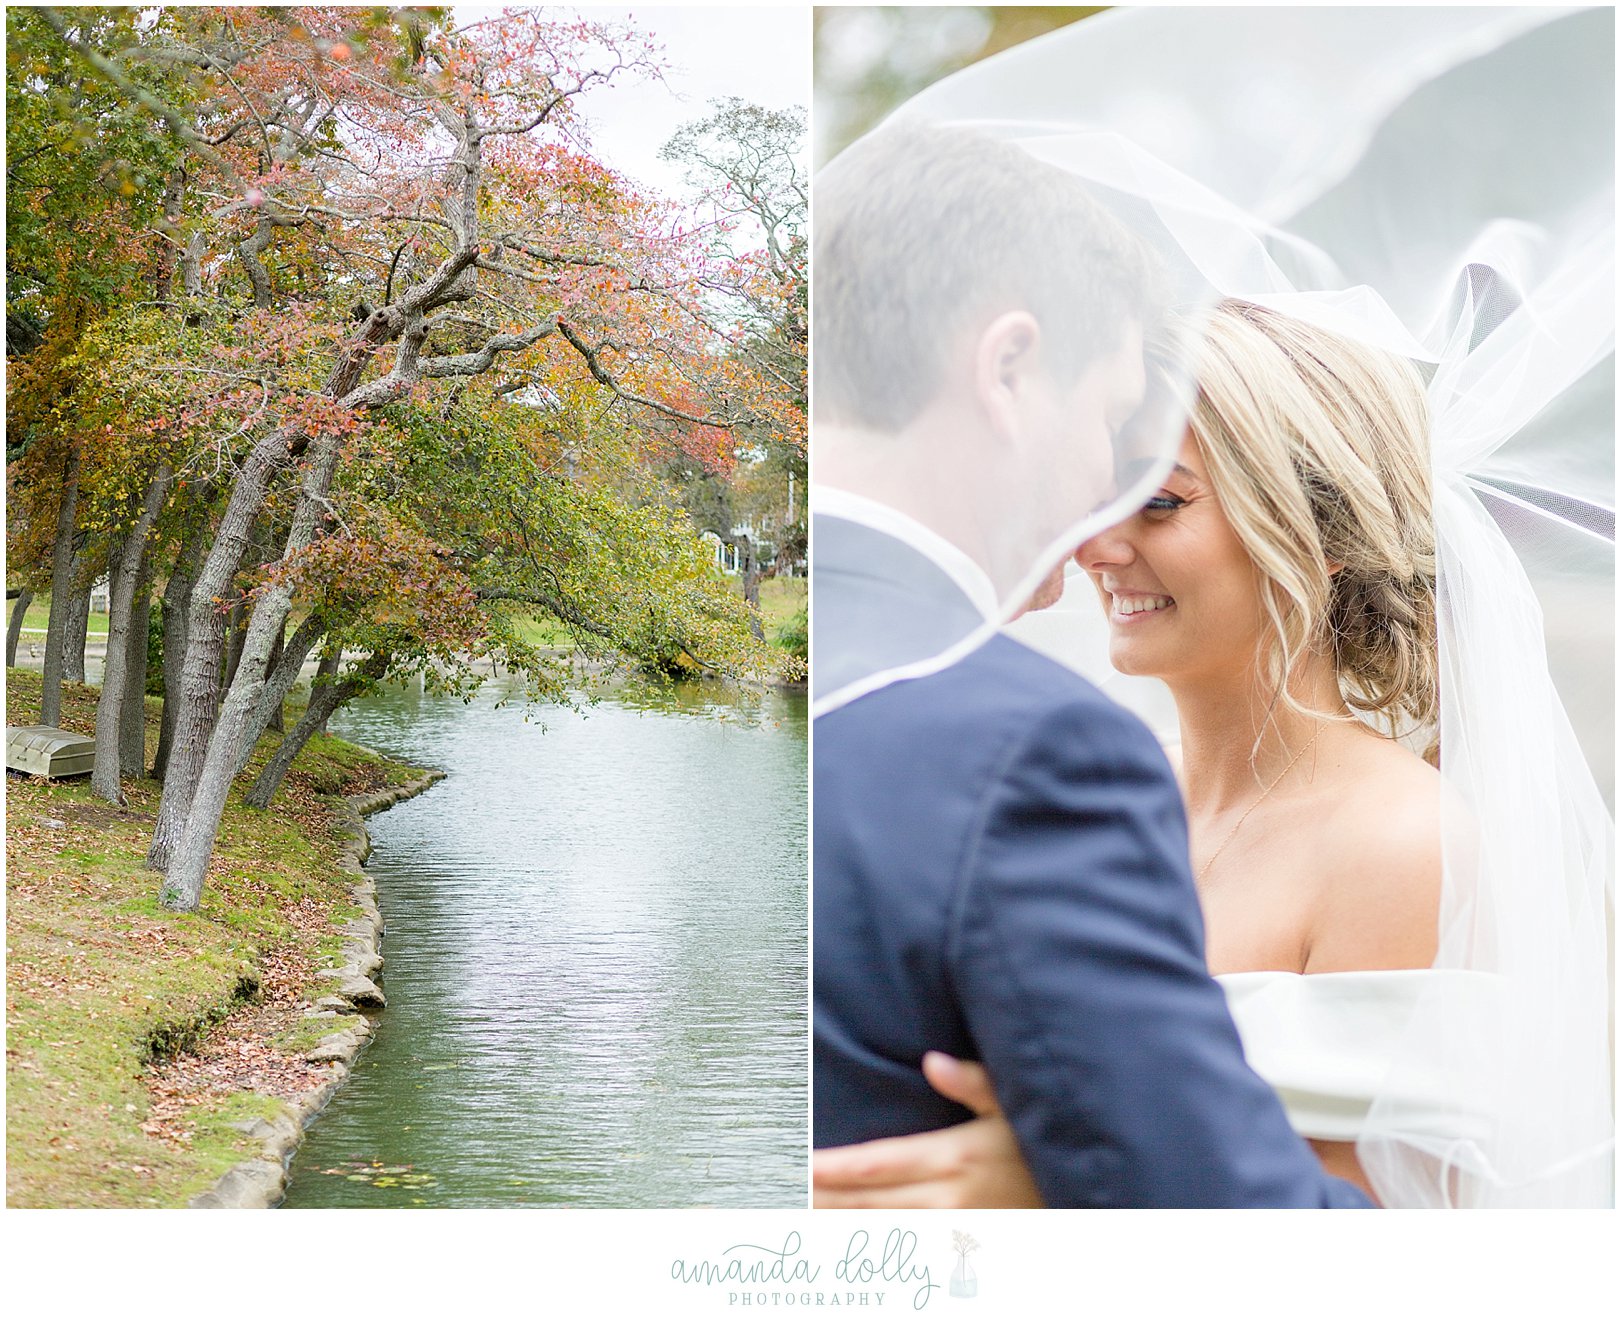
x=760 y=52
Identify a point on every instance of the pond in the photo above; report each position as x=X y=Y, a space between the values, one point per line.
x=595 y=957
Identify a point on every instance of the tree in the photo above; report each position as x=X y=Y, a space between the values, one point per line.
x=377 y=219
x=80 y=159
x=744 y=164
x=84 y=169
x=42 y=476
x=19 y=610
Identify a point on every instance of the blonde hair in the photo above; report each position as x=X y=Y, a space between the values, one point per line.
x=1318 y=451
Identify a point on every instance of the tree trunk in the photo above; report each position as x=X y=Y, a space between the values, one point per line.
x=104 y=775
x=751 y=584
x=283 y=675
x=235 y=634
x=78 y=633
x=325 y=700
x=132 y=728
x=196 y=706
x=124 y=572
x=328 y=669
x=188 y=867
x=199 y=690
x=15 y=630
x=275 y=720
x=176 y=603
x=61 y=588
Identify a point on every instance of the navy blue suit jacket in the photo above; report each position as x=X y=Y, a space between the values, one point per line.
x=1001 y=872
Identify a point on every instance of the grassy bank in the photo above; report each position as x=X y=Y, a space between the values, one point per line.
x=37 y=617
x=135 y=1033
x=780 y=599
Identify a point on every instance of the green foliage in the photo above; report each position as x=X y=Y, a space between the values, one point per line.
x=154 y=652
x=459 y=525
x=86 y=168
x=794 y=636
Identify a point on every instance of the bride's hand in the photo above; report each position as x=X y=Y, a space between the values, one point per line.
x=974 y=1165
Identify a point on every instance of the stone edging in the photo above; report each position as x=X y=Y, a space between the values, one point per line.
x=260 y=1182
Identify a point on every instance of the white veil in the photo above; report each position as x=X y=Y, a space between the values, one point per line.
x=1438 y=182
x=925 y=235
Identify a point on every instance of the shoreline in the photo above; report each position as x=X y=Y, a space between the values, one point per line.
x=146 y=1047
x=261 y=1182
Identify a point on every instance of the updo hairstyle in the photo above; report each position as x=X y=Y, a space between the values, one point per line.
x=1318 y=450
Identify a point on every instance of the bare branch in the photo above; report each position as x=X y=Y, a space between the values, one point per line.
x=472 y=364
x=604 y=377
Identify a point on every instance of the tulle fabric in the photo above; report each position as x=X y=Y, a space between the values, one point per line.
x=1054 y=485
x=1438 y=183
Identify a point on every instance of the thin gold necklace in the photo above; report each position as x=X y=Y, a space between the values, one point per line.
x=1211 y=860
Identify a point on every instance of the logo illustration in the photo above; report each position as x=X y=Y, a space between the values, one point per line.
x=964 y=1281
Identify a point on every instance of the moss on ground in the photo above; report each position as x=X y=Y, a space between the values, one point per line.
x=310 y=1031
x=105 y=985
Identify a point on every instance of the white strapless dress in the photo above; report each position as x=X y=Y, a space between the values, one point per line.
x=1329 y=1043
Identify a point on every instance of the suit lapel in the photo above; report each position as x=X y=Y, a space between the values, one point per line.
x=879 y=604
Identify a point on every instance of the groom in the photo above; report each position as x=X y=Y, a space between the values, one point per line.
x=1001 y=863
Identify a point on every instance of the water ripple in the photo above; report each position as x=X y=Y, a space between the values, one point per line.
x=596 y=959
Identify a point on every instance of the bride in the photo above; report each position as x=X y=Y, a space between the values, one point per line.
x=1414 y=946
x=1280 y=581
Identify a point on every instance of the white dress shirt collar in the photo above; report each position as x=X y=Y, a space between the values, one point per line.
x=967 y=575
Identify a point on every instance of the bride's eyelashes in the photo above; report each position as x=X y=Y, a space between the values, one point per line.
x=1163 y=503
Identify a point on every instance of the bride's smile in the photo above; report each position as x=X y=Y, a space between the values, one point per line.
x=1178 y=587
x=1125 y=607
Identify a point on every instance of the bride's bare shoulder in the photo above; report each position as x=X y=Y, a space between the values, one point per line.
x=1378 y=905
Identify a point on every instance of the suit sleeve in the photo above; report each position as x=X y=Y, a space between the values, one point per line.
x=1077 y=948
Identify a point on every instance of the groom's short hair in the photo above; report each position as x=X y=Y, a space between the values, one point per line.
x=920 y=231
